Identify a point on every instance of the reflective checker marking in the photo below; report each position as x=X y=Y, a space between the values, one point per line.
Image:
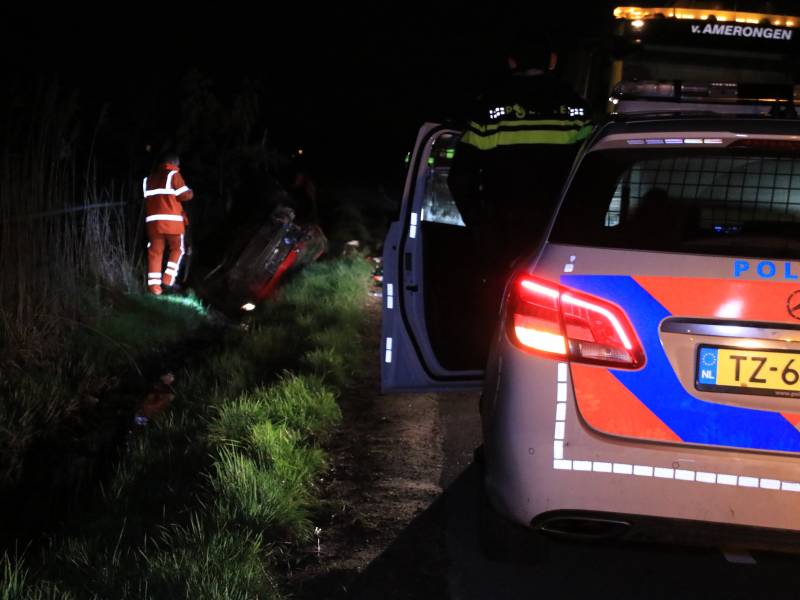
x=561 y=463
x=570 y=266
x=389 y=296
x=388 y=349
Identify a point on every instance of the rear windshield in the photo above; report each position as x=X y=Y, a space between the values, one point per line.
x=706 y=202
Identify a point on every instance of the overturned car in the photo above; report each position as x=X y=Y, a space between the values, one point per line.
x=251 y=272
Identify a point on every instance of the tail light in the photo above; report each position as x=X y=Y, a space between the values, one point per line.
x=555 y=321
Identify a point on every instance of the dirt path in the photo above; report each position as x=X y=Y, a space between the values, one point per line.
x=382 y=533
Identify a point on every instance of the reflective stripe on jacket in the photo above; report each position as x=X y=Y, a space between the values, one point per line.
x=164 y=191
x=529 y=131
x=521 y=138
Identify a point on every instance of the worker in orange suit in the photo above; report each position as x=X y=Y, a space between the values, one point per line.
x=164 y=194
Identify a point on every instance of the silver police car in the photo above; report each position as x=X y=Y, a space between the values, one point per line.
x=644 y=373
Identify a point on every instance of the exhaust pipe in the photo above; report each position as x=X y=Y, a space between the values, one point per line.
x=584 y=528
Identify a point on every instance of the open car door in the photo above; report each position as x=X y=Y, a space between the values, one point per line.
x=431 y=338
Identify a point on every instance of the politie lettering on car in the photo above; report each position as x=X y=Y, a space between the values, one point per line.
x=766 y=269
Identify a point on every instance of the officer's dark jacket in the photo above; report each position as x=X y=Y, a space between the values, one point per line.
x=517 y=150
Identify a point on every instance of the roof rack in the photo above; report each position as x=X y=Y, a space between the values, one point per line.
x=709 y=97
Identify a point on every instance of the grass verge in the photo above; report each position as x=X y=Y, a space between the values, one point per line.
x=210 y=495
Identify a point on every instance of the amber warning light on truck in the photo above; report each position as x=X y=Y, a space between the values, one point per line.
x=638 y=16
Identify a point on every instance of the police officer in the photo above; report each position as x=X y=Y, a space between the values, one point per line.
x=517 y=150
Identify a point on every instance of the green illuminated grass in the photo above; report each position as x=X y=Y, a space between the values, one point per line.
x=141 y=323
x=269 y=487
x=210 y=492
x=235 y=420
x=195 y=561
x=329 y=365
x=304 y=404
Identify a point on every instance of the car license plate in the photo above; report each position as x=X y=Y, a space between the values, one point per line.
x=744 y=371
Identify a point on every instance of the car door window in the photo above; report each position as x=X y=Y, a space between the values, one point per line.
x=438 y=205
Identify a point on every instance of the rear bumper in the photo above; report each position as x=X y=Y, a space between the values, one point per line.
x=587 y=525
x=543 y=459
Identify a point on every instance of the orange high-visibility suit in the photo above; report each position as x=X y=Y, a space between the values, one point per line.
x=164 y=191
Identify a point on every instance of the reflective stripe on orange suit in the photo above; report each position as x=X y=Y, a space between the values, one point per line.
x=165 y=191
x=155 y=256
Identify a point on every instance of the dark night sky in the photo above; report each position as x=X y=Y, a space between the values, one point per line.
x=350 y=84
x=334 y=78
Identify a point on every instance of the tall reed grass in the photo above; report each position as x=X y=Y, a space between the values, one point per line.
x=65 y=240
x=59 y=227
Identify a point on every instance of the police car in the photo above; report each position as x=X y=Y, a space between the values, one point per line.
x=643 y=379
